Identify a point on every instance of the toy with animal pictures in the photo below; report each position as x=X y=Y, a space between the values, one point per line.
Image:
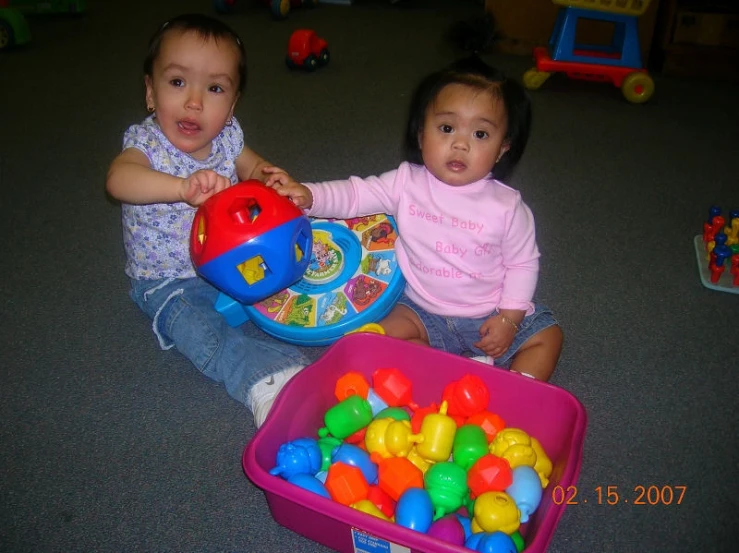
x=250 y=242
x=352 y=280
x=717 y=251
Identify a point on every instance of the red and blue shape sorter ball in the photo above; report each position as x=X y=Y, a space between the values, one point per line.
x=250 y=242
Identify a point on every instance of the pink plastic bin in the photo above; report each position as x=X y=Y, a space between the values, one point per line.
x=552 y=415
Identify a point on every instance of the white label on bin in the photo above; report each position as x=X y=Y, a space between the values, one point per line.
x=367 y=543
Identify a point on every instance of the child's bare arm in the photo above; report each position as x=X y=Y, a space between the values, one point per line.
x=285 y=185
x=132 y=180
x=250 y=165
x=497 y=333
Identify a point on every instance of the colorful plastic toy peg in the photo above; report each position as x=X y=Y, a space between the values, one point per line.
x=543 y=465
x=327 y=445
x=514 y=445
x=526 y=491
x=396 y=475
x=720 y=249
x=352 y=383
x=366 y=506
x=489 y=422
x=732 y=230
x=393 y=387
x=415 y=510
x=467 y=396
x=491 y=542
x=438 y=431
x=447 y=529
x=298 y=456
x=346 y=484
x=310 y=483
x=735 y=268
x=489 y=473
x=419 y=414
x=495 y=511
x=382 y=500
x=346 y=417
x=470 y=443
x=446 y=484
x=353 y=456
x=395 y=413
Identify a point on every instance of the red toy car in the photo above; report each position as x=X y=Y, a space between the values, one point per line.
x=307 y=50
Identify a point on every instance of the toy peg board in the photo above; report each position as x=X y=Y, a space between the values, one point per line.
x=352 y=279
x=724 y=283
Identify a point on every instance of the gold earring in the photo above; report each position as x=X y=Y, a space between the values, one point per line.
x=150 y=109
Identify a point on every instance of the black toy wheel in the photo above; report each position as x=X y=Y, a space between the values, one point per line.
x=324 y=57
x=310 y=63
x=7 y=38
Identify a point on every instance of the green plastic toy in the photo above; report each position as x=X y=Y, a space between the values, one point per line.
x=14 y=29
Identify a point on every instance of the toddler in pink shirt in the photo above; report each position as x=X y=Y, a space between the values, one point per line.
x=467 y=245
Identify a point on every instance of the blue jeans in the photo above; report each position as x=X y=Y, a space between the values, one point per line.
x=183 y=317
x=457 y=334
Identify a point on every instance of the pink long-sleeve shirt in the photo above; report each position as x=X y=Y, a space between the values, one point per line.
x=463 y=250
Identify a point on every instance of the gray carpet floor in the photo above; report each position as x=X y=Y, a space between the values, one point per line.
x=109 y=444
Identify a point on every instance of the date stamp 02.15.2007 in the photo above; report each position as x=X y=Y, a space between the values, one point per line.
x=615 y=495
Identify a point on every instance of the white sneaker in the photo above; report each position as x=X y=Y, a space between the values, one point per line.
x=263 y=394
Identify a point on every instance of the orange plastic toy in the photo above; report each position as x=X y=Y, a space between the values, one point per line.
x=346 y=484
x=351 y=384
x=489 y=422
x=396 y=475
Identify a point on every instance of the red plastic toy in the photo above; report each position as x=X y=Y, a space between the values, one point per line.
x=250 y=242
x=394 y=388
x=306 y=50
x=467 y=396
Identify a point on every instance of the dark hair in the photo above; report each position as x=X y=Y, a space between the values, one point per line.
x=474 y=72
x=206 y=27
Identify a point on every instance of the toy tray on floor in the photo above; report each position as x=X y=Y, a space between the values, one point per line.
x=725 y=282
x=551 y=414
x=353 y=279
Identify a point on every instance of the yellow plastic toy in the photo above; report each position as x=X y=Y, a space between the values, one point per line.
x=495 y=511
x=438 y=431
x=422 y=464
x=390 y=438
x=519 y=448
x=366 y=506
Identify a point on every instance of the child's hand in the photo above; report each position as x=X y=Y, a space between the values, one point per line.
x=496 y=336
x=201 y=185
x=285 y=185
